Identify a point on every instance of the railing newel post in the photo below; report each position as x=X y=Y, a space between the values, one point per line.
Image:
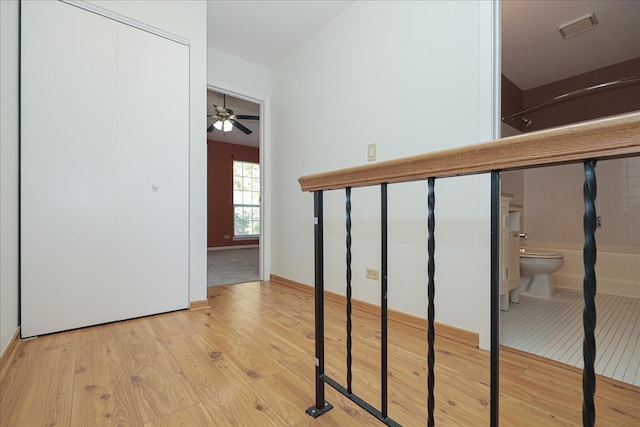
x=321 y=405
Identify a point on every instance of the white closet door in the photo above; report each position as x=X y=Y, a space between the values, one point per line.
x=68 y=154
x=153 y=174
x=104 y=170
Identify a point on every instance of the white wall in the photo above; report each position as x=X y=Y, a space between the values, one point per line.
x=187 y=19
x=235 y=75
x=8 y=171
x=394 y=74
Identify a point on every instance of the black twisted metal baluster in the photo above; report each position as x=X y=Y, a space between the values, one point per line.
x=348 y=208
x=590 y=223
x=383 y=301
x=431 y=245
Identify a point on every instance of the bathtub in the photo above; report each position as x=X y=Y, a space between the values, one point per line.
x=617 y=270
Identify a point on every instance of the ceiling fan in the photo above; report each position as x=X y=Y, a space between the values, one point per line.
x=225 y=120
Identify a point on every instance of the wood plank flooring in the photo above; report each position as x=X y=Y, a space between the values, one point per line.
x=552 y=328
x=249 y=361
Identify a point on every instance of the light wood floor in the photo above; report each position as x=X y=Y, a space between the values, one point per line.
x=248 y=361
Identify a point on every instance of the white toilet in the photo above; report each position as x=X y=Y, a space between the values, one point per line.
x=536 y=268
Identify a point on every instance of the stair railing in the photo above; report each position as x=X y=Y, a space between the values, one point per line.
x=585 y=142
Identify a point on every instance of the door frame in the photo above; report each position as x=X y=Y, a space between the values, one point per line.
x=264 y=250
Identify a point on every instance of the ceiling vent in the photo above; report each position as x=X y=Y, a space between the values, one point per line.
x=578 y=26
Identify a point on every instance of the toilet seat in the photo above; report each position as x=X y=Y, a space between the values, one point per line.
x=546 y=255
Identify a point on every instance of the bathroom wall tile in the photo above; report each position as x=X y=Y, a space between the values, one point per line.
x=554 y=206
x=633 y=161
x=634 y=182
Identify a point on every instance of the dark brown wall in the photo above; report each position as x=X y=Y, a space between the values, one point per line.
x=601 y=104
x=220 y=157
x=512 y=99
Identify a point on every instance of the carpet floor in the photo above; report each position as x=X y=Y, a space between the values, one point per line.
x=230 y=266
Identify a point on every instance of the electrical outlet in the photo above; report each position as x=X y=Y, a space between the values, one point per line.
x=373 y=274
x=371 y=152
x=227 y=236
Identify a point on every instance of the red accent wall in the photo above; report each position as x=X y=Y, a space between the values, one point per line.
x=220 y=157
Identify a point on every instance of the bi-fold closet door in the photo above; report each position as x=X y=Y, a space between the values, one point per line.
x=104 y=170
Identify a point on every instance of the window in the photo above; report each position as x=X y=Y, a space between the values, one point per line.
x=246 y=199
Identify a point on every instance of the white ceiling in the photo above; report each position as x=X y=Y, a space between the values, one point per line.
x=533 y=51
x=266 y=31
x=262 y=32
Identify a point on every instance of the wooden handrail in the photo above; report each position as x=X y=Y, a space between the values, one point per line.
x=617 y=136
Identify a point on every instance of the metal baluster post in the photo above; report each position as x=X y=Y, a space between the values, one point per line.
x=431 y=289
x=383 y=300
x=495 y=297
x=321 y=405
x=590 y=222
x=349 y=325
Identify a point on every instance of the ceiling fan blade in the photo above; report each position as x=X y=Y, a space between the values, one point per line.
x=210 y=128
x=242 y=128
x=243 y=117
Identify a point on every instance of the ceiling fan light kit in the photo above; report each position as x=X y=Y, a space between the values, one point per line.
x=226 y=120
x=223 y=125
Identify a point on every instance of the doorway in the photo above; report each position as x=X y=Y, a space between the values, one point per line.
x=570 y=89
x=234 y=189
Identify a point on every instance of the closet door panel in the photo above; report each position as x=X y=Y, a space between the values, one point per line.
x=68 y=155
x=153 y=174
x=104 y=170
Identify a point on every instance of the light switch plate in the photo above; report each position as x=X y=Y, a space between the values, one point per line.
x=371 y=152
